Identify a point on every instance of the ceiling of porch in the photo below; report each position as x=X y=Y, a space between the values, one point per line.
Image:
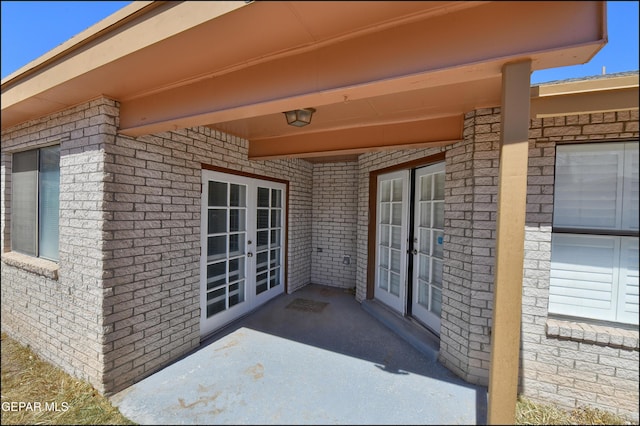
x=379 y=74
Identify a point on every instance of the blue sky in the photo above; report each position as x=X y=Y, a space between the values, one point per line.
x=32 y=28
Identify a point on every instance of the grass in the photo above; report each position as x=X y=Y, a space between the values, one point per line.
x=26 y=378
x=61 y=398
x=530 y=413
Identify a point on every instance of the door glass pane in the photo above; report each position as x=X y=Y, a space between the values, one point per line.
x=217 y=221
x=394 y=284
x=216 y=274
x=425 y=214
x=436 y=301
x=438 y=186
x=216 y=247
x=217 y=193
x=436 y=276
x=216 y=301
x=276 y=198
x=384 y=257
x=236 y=269
x=395 y=260
x=438 y=240
x=262 y=218
x=275 y=258
x=237 y=220
x=262 y=260
x=396 y=237
x=275 y=278
x=236 y=244
x=263 y=197
x=397 y=190
x=383 y=282
x=275 y=238
x=384 y=235
x=238 y=195
x=385 y=191
x=385 y=210
x=262 y=238
x=236 y=293
x=425 y=188
x=261 y=283
x=397 y=214
x=423 y=267
x=423 y=294
x=438 y=215
x=275 y=219
x=425 y=241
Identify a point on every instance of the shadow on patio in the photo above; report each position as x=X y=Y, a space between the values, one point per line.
x=310 y=357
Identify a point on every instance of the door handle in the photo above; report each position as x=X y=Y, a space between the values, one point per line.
x=414 y=251
x=249 y=254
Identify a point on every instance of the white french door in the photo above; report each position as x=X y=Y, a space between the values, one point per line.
x=391 y=239
x=427 y=251
x=242 y=261
x=409 y=243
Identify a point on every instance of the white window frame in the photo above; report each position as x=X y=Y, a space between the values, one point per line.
x=594 y=268
x=43 y=214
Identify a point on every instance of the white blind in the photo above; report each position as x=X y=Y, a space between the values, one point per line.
x=596 y=188
x=628 y=298
x=588 y=186
x=631 y=198
x=24 y=202
x=583 y=274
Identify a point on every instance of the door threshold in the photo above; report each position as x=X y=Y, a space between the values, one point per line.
x=417 y=336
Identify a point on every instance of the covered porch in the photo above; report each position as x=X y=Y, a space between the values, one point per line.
x=383 y=78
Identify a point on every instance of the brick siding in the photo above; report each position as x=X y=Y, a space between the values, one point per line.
x=59 y=313
x=581 y=363
x=124 y=299
x=335 y=199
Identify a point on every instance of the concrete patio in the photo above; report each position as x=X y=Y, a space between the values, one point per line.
x=311 y=357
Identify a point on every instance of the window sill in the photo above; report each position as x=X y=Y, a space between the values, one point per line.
x=593 y=334
x=43 y=267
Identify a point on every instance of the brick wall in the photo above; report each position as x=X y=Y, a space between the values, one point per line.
x=570 y=363
x=469 y=246
x=333 y=260
x=152 y=247
x=123 y=301
x=57 y=311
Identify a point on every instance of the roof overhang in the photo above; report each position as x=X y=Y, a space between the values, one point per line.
x=379 y=74
x=615 y=93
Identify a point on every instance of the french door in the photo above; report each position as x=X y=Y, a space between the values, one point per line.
x=409 y=242
x=242 y=260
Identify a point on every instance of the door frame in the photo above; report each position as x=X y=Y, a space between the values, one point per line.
x=373 y=204
x=285 y=243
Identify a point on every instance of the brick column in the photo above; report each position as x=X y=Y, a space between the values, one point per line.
x=469 y=249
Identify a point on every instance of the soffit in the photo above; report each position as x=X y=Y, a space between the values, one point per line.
x=235 y=66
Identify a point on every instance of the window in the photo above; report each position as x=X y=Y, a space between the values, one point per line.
x=594 y=248
x=35 y=202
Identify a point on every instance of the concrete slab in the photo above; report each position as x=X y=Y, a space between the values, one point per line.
x=299 y=363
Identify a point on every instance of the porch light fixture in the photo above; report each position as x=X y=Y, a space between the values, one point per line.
x=299 y=117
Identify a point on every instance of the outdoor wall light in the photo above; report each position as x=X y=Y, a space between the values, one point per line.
x=299 y=117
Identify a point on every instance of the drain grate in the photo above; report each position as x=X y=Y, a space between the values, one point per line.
x=307 y=305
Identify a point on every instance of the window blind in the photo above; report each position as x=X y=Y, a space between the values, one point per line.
x=24 y=202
